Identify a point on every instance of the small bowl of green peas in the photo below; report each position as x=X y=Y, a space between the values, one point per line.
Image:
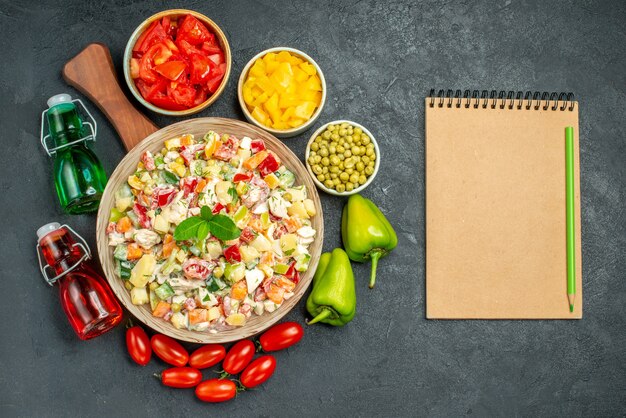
x=342 y=157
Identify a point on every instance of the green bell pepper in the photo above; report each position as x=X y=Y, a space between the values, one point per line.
x=333 y=298
x=366 y=233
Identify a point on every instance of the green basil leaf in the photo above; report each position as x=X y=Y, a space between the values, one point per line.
x=188 y=228
x=170 y=177
x=222 y=227
x=203 y=230
x=205 y=213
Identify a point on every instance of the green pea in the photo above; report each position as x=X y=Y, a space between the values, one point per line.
x=369 y=171
x=332 y=149
x=356 y=136
x=334 y=160
x=315 y=146
x=340 y=149
x=334 y=169
x=335 y=136
x=324 y=152
x=344 y=125
x=347 y=153
x=348 y=163
x=358 y=130
x=324 y=170
x=350 y=130
x=317 y=169
x=340 y=188
x=371 y=164
x=343 y=132
x=128 y=286
x=349 y=187
x=329 y=183
x=369 y=152
x=373 y=157
x=365 y=139
x=311 y=160
x=326 y=135
x=336 y=182
x=363 y=150
x=360 y=166
x=321 y=178
x=180 y=160
x=325 y=161
x=341 y=157
x=331 y=127
x=362 y=179
x=354 y=178
x=176 y=307
x=349 y=170
x=318 y=158
x=344 y=176
x=341 y=164
x=365 y=159
x=318 y=139
x=333 y=176
x=356 y=150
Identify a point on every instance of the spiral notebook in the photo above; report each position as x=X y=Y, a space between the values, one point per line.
x=495 y=205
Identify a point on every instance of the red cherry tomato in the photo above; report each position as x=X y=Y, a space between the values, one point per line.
x=216 y=390
x=138 y=345
x=281 y=336
x=169 y=350
x=207 y=356
x=181 y=377
x=238 y=356
x=258 y=371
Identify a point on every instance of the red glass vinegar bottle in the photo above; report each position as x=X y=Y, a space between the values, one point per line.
x=86 y=298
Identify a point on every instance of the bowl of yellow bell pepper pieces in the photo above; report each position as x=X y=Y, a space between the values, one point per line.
x=282 y=90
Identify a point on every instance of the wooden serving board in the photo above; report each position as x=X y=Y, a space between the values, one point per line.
x=92 y=73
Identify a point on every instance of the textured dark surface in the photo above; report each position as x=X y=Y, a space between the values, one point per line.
x=380 y=59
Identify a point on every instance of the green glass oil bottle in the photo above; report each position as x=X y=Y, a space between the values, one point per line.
x=78 y=175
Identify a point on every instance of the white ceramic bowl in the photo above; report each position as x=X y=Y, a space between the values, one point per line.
x=277 y=132
x=319 y=185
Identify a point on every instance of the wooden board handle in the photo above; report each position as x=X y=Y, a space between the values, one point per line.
x=93 y=74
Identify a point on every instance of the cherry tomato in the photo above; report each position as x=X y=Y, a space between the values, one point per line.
x=181 y=377
x=138 y=345
x=281 y=336
x=258 y=371
x=207 y=356
x=238 y=356
x=216 y=390
x=169 y=350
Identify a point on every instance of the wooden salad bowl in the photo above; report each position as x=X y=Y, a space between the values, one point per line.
x=153 y=143
x=92 y=72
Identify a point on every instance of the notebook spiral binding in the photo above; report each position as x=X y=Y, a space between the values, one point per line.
x=503 y=99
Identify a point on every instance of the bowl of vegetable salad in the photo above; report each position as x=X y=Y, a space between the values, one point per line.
x=210 y=230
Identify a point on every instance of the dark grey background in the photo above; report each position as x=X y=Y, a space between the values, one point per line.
x=380 y=59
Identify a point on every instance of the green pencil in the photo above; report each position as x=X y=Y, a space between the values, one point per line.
x=569 y=216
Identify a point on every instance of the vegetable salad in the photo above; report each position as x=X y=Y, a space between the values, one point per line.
x=211 y=231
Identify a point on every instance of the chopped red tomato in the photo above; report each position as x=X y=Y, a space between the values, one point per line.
x=164 y=196
x=194 y=31
x=177 y=63
x=142 y=215
x=257 y=145
x=242 y=177
x=171 y=69
x=196 y=268
x=218 y=208
x=200 y=68
x=155 y=33
x=268 y=165
x=189 y=185
x=292 y=273
x=232 y=254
